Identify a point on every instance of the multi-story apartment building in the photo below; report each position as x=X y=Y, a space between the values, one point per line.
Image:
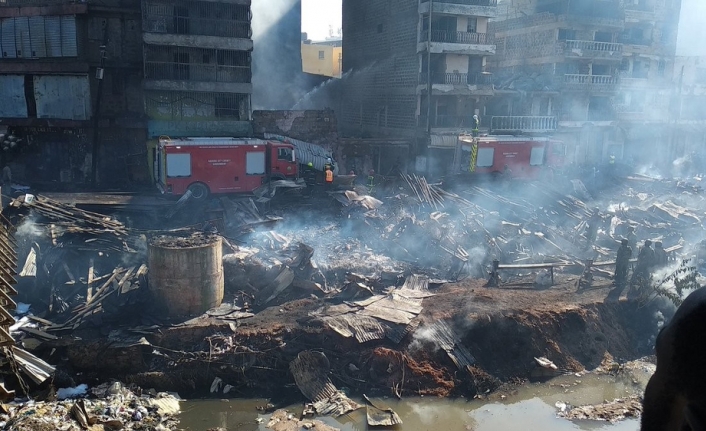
x=107 y=76
x=197 y=67
x=688 y=114
x=596 y=73
x=71 y=78
x=417 y=69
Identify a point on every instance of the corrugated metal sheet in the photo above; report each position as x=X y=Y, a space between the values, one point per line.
x=7 y=33
x=306 y=152
x=444 y=141
x=64 y=97
x=68 y=36
x=363 y=328
x=24 y=47
x=447 y=340
x=36 y=34
x=12 y=95
x=52 y=32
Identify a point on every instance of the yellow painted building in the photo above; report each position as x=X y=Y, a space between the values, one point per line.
x=323 y=58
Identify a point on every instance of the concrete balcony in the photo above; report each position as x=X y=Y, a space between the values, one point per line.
x=595 y=21
x=449 y=122
x=458 y=84
x=591 y=83
x=155 y=70
x=457 y=42
x=484 y=8
x=589 y=49
x=526 y=124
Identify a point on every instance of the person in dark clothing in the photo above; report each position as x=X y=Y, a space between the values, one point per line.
x=632 y=238
x=622 y=262
x=675 y=399
x=592 y=228
x=645 y=262
x=661 y=260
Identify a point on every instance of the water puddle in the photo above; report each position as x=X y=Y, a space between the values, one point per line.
x=531 y=406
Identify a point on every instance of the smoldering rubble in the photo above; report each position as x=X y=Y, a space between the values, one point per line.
x=368 y=264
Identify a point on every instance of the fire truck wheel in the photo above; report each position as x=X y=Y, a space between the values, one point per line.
x=199 y=191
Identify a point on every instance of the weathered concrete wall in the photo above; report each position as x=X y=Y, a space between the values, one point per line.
x=381 y=59
x=318 y=127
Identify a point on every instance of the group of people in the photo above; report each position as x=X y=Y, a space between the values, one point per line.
x=648 y=260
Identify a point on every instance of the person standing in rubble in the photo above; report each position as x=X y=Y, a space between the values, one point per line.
x=661 y=260
x=645 y=262
x=371 y=181
x=632 y=238
x=328 y=176
x=309 y=175
x=622 y=262
x=592 y=228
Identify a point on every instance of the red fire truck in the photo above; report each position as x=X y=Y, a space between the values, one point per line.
x=524 y=157
x=220 y=165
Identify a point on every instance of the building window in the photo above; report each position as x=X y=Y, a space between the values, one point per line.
x=472 y=25
x=625 y=65
x=321 y=55
x=566 y=34
x=380 y=28
x=661 y=67
x=227 y=106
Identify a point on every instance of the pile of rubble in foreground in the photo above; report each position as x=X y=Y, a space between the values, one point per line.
x=109 y=407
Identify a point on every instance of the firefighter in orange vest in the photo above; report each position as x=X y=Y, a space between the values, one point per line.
x=328 y=174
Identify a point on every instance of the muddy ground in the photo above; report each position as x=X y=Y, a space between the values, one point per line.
x=505 y=329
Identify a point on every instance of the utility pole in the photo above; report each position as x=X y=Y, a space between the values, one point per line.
x=100 y=71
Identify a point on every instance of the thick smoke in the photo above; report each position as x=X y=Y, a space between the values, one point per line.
x=278 y=80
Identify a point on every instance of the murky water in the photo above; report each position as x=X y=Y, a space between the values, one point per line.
x=530 y=407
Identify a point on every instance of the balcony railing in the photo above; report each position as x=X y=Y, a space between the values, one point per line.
x=590 y=47
x=458 y=37
x=197 y=72
x=479 y=79
x=525 y=124
x=159 y=17
x=598 y=82
x=468 y=2
x=448 y=121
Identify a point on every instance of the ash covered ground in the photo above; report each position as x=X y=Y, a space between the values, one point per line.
x=391 y=289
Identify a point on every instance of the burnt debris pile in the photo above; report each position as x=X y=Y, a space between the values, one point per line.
x=76 y=266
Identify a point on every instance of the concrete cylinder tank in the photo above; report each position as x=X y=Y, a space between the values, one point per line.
x=186 y=273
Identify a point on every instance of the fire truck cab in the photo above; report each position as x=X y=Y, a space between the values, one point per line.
x=220 y=165
x=524 y=157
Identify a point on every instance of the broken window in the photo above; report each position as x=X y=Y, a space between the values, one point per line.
x=178 y=165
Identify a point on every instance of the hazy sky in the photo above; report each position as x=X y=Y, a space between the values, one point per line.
x=319 y=15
